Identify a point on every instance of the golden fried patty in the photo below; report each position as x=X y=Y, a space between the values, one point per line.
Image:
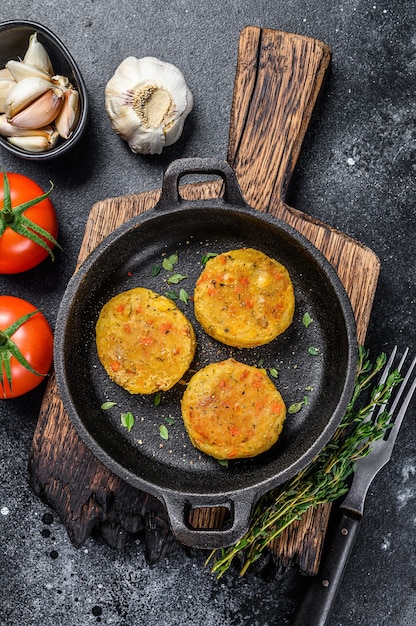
x=232 y=410
x=244 y=298
x=144 y=341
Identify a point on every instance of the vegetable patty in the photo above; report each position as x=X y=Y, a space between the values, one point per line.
x=232 y=410
x=244 y=298
x=144 y=342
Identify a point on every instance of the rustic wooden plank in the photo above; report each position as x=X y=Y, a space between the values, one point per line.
x=278 y=78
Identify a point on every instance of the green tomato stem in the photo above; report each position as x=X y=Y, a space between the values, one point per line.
x=14 y=218
x=7 y=216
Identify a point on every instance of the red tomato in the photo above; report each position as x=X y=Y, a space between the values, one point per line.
x=18 y=252
x=34 y=340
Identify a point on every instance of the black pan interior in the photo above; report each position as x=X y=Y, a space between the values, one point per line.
x=124 y=261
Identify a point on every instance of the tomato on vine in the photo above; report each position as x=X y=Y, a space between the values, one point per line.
x=26 y=347
x=28 y=224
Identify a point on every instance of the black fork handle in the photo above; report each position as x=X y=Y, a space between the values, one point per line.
x=319 y=597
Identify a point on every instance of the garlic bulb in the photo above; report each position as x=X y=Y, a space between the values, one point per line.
x=148 y=101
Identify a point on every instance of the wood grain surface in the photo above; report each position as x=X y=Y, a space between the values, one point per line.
x=278 y=78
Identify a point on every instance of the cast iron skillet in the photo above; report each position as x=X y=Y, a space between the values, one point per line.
x=173 y=470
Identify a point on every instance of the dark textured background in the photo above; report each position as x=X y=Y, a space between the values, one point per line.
x=356 y=172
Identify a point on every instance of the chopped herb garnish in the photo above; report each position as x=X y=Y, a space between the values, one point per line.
x=169 y=262
x=158 y=398
x=274 y=372
x=223 y=462
x=155 y=270
x=127 y=420
x=208 y=256
x=314 y=351
x=176 y=278
x=307 y=320
x=108 y=405
x=163 y=432
x=183 y=296
x=295 y=407
x=169 y=420
x=172 y=295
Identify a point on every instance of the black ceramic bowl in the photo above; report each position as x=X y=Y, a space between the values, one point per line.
x=14 y=41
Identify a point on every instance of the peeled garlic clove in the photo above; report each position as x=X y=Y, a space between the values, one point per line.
x=35 y=143
x=37 y=56
x=5 y=74
x=41 y=111
x=68 y=116
x=148 y=101
x=23 y=94
x=6 y=85
x=20 y=70
x=9 y=130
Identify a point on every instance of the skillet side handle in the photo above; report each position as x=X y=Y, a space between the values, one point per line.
x=170 y=196
x=179 y=506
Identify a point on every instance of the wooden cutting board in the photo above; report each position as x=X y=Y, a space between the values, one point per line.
x=278 y=78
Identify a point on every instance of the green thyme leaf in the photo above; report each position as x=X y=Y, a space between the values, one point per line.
x=155 y=270
x=127 y=420
x=158 y=398
x=307 y=320
x=108 y=405
x=172 y=295
x=169 y=420
x=169 y=262
x=167 y=265
x=208 y=256
x=183 y=296
x=176 y=278
x=274 y=372
x=223 y=462
x=295 y=407
x=163 y=432
x=314 y=351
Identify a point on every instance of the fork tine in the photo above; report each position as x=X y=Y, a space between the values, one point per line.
x=404 y=382
x=388 y=365
x=382 y=380
x=392 y=434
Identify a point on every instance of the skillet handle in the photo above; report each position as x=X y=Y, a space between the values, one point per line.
x=179 y=506
x=170 y=195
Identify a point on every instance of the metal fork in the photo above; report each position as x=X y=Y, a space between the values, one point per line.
x=320 y=595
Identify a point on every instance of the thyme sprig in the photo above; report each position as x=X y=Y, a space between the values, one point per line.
x=325 y=479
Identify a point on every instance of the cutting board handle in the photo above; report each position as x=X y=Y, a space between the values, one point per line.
x=278 y=79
